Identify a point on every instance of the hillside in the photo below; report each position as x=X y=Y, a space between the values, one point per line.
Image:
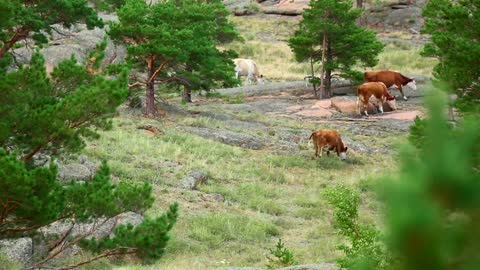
x=239 y=161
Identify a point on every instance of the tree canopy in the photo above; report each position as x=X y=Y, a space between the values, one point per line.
x=347 y=44
x=33 y=19
x=454 y=27
x=175 y=42
x=53 y=114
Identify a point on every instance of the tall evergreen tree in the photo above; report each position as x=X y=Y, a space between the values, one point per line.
x=41 y=113
x=53 y=114
x=455 y=28
x=347 y=44
x=433 y=208
x=175 y=42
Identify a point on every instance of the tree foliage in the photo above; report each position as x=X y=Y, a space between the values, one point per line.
x=454 y=27
x=56 y=113
x=175 y=42
x=431 y=203
x=34 y=19
x=366 y=249
x=347 y=44
x=433 y=206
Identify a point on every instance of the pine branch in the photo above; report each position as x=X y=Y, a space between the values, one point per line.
x=157 y=71
x=113 y=252
x=72 y=243
x=20 y=33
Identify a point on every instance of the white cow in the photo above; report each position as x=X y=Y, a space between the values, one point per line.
x=248 y=68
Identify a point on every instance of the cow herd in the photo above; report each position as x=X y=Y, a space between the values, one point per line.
x=376 y=85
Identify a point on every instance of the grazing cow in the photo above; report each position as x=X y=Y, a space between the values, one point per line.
x=248 y=68
x=377 y=89
x=390 y=78
x=330 y=140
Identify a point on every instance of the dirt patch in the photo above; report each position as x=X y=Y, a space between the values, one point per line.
x=410 y=115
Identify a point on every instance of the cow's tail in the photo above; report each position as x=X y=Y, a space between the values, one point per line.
x=311 y=136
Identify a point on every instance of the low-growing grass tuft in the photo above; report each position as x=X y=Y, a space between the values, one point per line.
x=218 y=229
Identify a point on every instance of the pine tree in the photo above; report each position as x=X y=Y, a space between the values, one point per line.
x=455 y=27
x=33 y=19
x=432 y=205
x=347 y=44
x=56 y=114
x=175 y=42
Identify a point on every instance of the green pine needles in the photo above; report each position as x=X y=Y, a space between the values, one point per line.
x=175 y=43
x=54 y=114
x=282 y=256
x=346 y=43
x=455 y=27
x=431 y=203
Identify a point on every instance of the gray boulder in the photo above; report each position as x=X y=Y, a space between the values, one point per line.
x=81 y=171
x=322 y=266
x=77 y=172
x=77 y=41
x=19 y=250
x=103 y=230
x=194 y=179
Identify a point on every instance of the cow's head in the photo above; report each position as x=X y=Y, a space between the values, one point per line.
x=343 y=153
x=412 y=84
x=392 y=102
x=261 y=79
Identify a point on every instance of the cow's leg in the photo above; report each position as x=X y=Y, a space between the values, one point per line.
x=380 y=107
x=365 y=108
x=401 y=92
x=249 y=79
x=321 y=150
x=316 y=147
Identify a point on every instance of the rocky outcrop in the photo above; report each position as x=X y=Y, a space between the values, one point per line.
x=77 y=41
x=100 y=227
x=194 y=179
x=228 y=137
x=81 y=171
x=19 y=250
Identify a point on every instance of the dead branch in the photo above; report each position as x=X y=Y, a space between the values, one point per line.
x=131 y=85
x=70 y=244
x=153 y=129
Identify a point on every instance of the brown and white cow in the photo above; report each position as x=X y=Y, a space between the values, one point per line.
x=330 y=140
x=247 y=68
x=377 y=89
x=390 y=78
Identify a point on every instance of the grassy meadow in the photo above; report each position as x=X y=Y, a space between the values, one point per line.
x=267 y=195
x=265 y=40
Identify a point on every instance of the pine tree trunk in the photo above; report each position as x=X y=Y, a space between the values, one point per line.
x=328 y=71
x=313 y=78
x=359 y=3
x=187 y=94
x=328 y=83
x=150 y=110
x=323 y=94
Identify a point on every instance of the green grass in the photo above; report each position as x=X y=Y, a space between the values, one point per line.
x=268 y=195
x=406 y=59
x=7 y=264
x=217 y=230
